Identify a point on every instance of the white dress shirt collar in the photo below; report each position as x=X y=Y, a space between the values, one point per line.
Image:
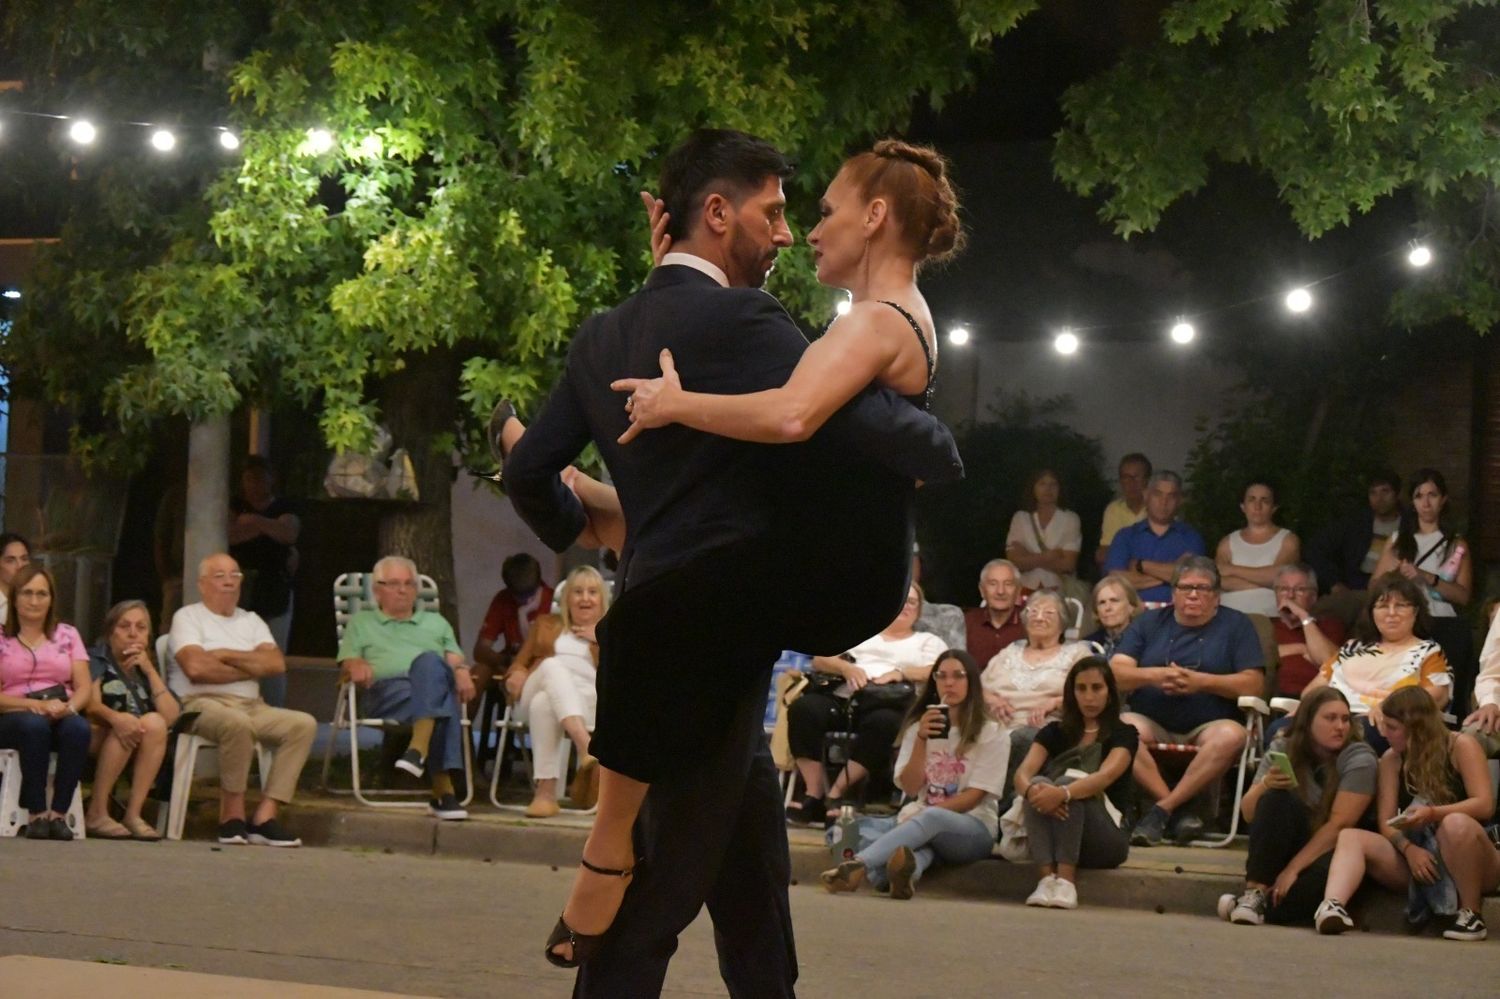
x=697 y=263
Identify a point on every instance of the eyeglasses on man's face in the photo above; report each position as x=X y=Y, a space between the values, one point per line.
x=1194 y=589
x=220 y=577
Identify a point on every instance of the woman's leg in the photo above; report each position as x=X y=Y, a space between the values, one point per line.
x=70 y=740
x=1145 y=771
x=545 y=734
x=31 y=737
x=1472 y=860
x=953 y=837
x=148 y=757
x=1054 y=843
x=1282 y=827
x=1358 y=853
x=595 y=898
x=874 y=742
x=809 y=718
x=1103 y=844
x=110 y=763
x=570 y=687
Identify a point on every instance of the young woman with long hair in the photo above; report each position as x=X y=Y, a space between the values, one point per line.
x=952 y=761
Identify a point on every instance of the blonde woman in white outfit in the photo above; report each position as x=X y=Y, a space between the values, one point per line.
x=552 y=682
x=1248 y=558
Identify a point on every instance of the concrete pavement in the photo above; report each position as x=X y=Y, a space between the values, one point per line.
x=450 y=927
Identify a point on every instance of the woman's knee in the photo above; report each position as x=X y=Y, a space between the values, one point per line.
x=153 y=726
x=1455 y=826
x=28 y=731
x=73 y=731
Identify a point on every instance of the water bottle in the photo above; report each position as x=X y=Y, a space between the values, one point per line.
x=843 y=841
x=1448 y=571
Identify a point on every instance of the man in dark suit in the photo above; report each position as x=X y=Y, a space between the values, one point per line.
x=713 y=833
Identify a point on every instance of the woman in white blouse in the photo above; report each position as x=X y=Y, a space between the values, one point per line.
x=1044 y=538
x=1249 y=557
x=1023 y=684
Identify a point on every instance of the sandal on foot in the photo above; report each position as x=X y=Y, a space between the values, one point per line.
x=141 y=830
x=584 y=944
x=106 y=828
x=584 y=790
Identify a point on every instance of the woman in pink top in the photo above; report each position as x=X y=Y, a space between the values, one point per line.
x=44 y=687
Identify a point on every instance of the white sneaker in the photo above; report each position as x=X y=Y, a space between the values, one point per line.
x=1043 y=896
x=1226 y=906
x=1250 y=908
x=1332 y=917
x=1468 y=926
x=1064 y=894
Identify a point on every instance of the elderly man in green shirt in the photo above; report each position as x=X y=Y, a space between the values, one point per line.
x=410 y=663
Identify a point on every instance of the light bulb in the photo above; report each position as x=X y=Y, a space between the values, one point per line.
x=1183 y=332
x=1419 y=256
x=1066 y=342
x=163 y=141
x=82 y=132
x=1299 y=300
x=958 y=336
x=319 y=140
x=229 y=140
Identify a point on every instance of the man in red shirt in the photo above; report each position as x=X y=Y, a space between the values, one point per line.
x=996 y=623
x=1303 y=642
x=512 y=612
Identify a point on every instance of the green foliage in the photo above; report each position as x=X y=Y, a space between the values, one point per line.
x=479 y=194
x=963 y=525
x=1342 y=103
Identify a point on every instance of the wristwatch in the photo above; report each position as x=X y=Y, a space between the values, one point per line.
x=1306 y=621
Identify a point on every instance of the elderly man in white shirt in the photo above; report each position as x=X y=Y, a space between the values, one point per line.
x=1484 y=723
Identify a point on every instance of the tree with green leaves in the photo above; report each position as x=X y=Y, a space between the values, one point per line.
x=1342 y=103
x=428 y=197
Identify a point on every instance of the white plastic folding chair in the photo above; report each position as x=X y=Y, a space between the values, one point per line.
x=12 y=816
x=352 y=593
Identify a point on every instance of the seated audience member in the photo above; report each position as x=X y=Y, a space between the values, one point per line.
x=1484 y=722
x=1249 y=557
x=1116 y=604
x=44 y=688
x=1044 y=539
x=1437 y=781
x=1127 y=508
x=1147 y=554
x=510 y=617
x=952 y=761
x=1346 y=553
x=409 y=663
x=552 y=680
x=1295 y=818
x=1075 y=782
x=219 y=652
x=1426 y=552
x=1303 y=642
x=1183 y=669
x=15 y=553
x=132 y=711
x=996 y=622
x=1023 y=684
x=1390 y=651
x=898 y=655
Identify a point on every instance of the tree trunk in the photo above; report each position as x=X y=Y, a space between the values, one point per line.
x=206 y=529
x=419 y=404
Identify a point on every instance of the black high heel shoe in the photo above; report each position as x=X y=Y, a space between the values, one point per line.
x=584 y=944
x=502 y=412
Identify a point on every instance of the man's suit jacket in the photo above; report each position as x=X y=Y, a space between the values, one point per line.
x=683 y=491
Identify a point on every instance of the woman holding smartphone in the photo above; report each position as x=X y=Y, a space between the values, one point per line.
x=1434 y=796
x=1317 y=779
x=952 y=761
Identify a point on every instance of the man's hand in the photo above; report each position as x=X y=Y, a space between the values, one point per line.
x=856 y=677
x=658 y=217
x=359 y=672
x=1486 y=718
x=1179 y=681
x=463 y=683
x=651 y=400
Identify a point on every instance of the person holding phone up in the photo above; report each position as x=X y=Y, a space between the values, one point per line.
x=1434 y=795
x=1317 y=780
x=952 y=761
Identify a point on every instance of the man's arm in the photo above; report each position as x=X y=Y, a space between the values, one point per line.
x=201 y=666
x=263 y=660
x=532 y=480
x=1131 y=675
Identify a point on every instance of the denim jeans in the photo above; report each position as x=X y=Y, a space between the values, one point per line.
x=932 y=834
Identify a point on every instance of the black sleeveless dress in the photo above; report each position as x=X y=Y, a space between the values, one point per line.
x=685 y=647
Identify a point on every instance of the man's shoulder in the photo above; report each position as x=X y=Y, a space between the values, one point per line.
x=1228 y=619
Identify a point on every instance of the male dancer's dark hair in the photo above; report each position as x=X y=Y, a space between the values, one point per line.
x=715 y=160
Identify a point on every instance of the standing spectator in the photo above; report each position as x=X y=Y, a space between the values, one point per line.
x=553 y=682
x=1391 y=650
x=1346 y=553
x=219 y=652
x=1484 y=722
x=1295 y=819
x=131 y=710
x=996 y=622
x=1044 y=538
x=1248 y=558
x=952 y=762
x=1075 y=782
x=1127 y=508
x=409 y=661
x=1116 y=604
x=44 y=687
x=1147 y=554
x=15 y=554
x=1184 y=669
x=1303 y=642
x=1438 y=782
x=263 y=532
x=1425 y=551
x=511 y=613
x=898 y=655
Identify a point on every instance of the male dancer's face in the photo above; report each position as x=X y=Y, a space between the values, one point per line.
x=758 y=232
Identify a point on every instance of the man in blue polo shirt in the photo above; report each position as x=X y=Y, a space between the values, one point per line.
x=409 y=661
x=1183 y=669
x=1148 y=552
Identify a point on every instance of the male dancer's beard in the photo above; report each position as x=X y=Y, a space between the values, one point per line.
x=753 y=263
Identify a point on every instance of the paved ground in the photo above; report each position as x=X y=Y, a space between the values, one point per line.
x=446 y=927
